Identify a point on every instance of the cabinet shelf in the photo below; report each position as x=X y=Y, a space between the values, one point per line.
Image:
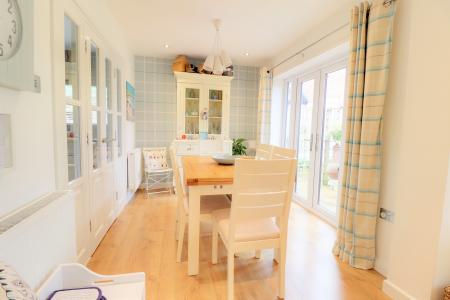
x=215 y=117
x=196 y=116
x=215 y=100
x=192 y=99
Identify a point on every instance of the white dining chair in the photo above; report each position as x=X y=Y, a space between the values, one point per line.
x=263 y=151
x=208 y=204
x=262 y=191
x=280 y=153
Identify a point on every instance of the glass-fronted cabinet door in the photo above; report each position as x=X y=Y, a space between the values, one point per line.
x=215 y=103
x=192 y=110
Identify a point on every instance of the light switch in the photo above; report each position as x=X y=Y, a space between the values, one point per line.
x=5 y=142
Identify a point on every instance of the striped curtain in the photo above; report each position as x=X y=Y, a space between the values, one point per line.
x=264 y=105
x=370 y=42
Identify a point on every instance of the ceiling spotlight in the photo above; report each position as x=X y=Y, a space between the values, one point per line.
x=166 y=46
x=246 y=54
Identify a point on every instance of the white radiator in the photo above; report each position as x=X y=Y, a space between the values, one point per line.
x=40 y=236
x=134 y=169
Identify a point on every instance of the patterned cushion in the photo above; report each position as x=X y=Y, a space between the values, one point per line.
x=155 y=159
x=12 y=287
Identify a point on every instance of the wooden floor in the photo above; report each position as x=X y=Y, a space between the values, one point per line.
x=143 y=239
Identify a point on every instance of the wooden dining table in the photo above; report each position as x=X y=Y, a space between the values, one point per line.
x=202 y=176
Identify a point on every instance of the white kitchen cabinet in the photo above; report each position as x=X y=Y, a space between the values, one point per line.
x=203 y=106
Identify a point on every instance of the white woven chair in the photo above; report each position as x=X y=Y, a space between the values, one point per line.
x=262 y=191
x=157 y=172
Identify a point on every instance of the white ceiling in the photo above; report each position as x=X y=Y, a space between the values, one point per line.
x=260 y=27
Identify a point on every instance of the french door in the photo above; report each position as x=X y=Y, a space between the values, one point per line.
x=88 y=108
x=314 y=128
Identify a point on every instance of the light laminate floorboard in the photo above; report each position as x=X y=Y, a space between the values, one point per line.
x=143 y=239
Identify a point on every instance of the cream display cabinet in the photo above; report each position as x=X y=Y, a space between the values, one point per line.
x=203 y=106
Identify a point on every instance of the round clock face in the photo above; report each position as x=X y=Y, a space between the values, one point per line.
x=10 y=28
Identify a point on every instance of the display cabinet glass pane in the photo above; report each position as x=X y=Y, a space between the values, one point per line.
x=71 y=58
x=215 y=125
x=94 y=75
x=95 y=116
x=192 y=112
x=108 y=91
x=109 y=137
x=215 y=112
x=119 y=136
x=73 y=141
x=119 y=91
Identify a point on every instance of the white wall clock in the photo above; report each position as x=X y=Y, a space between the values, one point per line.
x=16 y=44
x=10 y=28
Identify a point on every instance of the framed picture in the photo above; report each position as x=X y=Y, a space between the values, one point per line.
x=131 y=101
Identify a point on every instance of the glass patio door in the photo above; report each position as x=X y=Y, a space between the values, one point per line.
x=317 y=129
x=331 y=122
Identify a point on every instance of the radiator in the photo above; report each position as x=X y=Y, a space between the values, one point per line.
x=39 y=236
x=134 y=169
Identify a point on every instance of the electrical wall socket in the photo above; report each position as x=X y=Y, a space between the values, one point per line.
x=387 y=215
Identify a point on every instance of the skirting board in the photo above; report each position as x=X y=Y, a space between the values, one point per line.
x=395 y=292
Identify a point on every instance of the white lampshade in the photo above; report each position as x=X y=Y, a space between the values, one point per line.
x=218 y=67
x=208 y=65
x=226 y=61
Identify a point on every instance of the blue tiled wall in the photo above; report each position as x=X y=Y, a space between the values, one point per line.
x=156 y=102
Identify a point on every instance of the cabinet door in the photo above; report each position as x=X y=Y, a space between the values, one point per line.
x=191 y=102
x=216 y=109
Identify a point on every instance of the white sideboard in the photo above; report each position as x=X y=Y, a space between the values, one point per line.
x=202 y=147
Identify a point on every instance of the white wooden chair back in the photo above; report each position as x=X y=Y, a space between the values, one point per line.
x=176 y=176
x=262 y=189
x=283 y=153
x=263 y=151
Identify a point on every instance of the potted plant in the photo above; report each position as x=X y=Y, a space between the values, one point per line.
x=238 y=147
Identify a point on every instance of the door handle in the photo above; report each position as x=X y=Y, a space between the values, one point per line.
x=311 y=143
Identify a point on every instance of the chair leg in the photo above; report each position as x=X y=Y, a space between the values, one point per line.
x=258 y=254
x=177 y=223
x=281 y=271
x=181 y=229
x=230 y=275
x=215 y=243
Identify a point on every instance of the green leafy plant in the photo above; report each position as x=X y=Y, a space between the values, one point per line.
x=238 y=147
x=336 y=135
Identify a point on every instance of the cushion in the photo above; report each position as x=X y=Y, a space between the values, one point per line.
x=252 y=230
x=155 y=159
x=12 y=287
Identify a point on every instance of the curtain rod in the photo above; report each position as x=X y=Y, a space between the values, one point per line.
x=386 y=3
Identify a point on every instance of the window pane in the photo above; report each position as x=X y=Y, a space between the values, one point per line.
x=119 y=91
x=119 y=136
x=94 y=75
x=331 y=139
x=109 y=137
x=71 y=58
x=108 y=84
x=287 y=141
x=73 y=141
x=95 y=115
x=305 y=166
